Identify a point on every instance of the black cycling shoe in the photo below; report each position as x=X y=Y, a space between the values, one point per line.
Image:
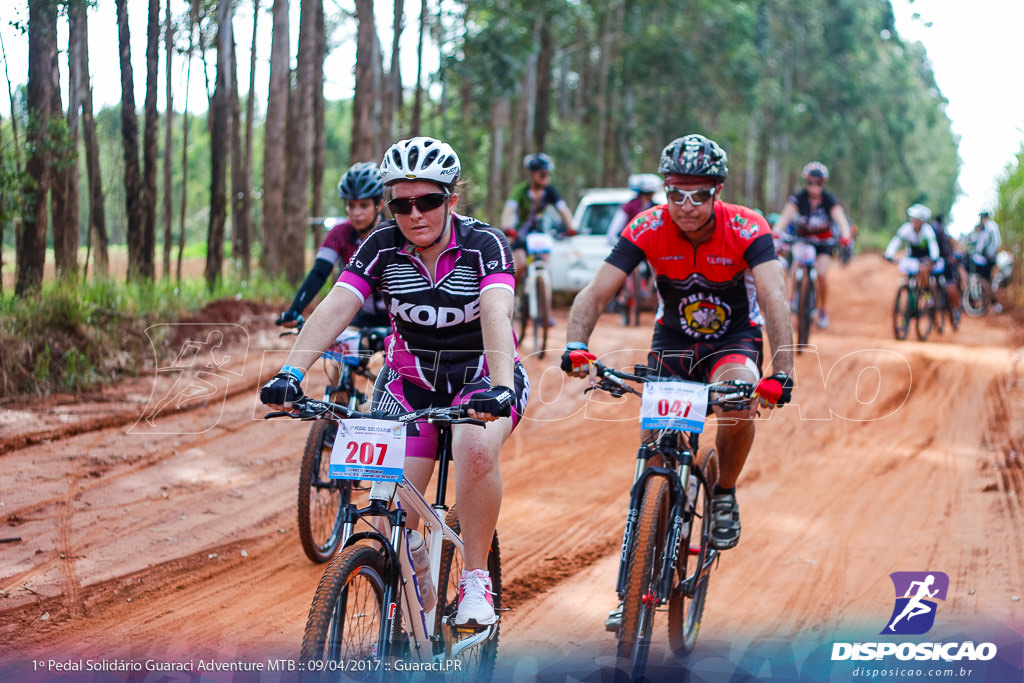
x=725 y=521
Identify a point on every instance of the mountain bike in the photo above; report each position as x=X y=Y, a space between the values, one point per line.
x=666 y=556
x=804 y=305
x=322 y=499
x=912 y=304
x=535 y=299
x=631 y=297
x=368 y=609
x=977 y=290
x=946 y=309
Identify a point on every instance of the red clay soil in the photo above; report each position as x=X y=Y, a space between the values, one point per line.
x=157 y=520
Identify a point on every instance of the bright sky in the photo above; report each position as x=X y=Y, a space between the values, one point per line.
x=973 y=47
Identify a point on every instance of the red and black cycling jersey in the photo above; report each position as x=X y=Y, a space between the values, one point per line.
x=706 y=291
x=438 y=342
x=814 y=223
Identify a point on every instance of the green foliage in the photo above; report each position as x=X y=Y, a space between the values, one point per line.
x=1010 y=212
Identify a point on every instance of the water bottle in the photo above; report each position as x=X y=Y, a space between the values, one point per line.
x=421 y=563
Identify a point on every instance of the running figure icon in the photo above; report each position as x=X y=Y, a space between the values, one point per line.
x=919 y=591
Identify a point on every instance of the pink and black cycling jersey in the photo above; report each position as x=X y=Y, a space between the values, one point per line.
x=437 y=342
x=339 y=244
x=814 y=224
x=706 y=291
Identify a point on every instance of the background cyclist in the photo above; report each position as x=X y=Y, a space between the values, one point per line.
x=644 y=185
x=447 y=280
x=362 y=190
x=919 y=239
x=523 y=210
x=814 y=211
x=716 y=266
x=984 y=241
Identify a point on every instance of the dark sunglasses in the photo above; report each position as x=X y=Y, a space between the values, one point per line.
x=422 y=202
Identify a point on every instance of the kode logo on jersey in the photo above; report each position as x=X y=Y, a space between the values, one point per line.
x=435 y=316
x=916 y=593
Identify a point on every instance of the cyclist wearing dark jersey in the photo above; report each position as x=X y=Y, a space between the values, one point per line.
x=813 y=212
x=362 y=191
x=715 y=267
x=448 y=283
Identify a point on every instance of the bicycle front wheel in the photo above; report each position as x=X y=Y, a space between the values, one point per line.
x=901 y=313
x=977 y=296
x=925 y=315
x=805 y=311
x=321 y=498
x=543 y=320
x=685 y=610
x=345 y=619
x=477 y=663
x=640 y=598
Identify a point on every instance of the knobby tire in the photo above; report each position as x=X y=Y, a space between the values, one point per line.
x=344 y=621
x=319 y=506
x=805 y=311
x=925 y=316
x=685 y=612
x=477 y=662
x=977 y=296
x=543 y=321
x=639 y=601
x=901 y=313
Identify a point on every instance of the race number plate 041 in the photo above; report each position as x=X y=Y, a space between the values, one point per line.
x=368 y=450
x=674 y=405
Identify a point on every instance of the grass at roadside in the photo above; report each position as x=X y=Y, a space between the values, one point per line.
x=71 y=336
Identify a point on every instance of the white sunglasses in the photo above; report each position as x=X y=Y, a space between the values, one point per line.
x=696 y=197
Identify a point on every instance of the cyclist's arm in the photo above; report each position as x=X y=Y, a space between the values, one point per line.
x=508 y=215
x=496 y=305
x=785 y=218
x=563 y=211
x=933 y=247
x=839 y=218
x=332 y=316
x=771 y=295
x=314 y=281
x=894 y=245
x=592 y=301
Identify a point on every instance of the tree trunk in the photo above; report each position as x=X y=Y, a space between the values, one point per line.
x=152 y=122
x=319 y=130
x=275 y=139
x=30 y=238
x=65 y=210
x=130 y=137
x=168 y=207
x=300 y=147
x=248 y=163
x=542 y=111
x=239 y=220
x=417 y=107
x=219 y=147
x=495 y=193
x=10 y=97
x=96 y=237
x=60 y=159
x=364 y=102
x=193 y=19
x=391 y=93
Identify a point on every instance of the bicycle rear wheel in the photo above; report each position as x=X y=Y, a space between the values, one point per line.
x=345 y=619
x=543 y=320
x=805 y=311
x=321 y=498
x=977 y=296
x=686 y=610
x=901 y=313
x=477 y=663
x=640 y=598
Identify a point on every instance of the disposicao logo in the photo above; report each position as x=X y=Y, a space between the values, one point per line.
x=916 y=595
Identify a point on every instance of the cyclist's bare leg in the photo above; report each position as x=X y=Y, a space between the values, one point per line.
x=735 y=428
x=478 y=485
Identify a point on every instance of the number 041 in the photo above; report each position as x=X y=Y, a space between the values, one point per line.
x=675 y=408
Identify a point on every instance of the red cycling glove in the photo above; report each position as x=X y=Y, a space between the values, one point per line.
x=776 y=390
x=577 y=358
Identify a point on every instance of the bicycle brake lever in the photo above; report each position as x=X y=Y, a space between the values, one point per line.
x=279 y=413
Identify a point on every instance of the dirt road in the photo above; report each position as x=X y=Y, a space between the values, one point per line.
x=174 y=538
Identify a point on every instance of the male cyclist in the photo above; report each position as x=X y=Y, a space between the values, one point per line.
x=447 y=281
x=715 y=268
x=523 y=210
x=362 y=190
x=814 y=211
x=984 y=241
x=919 y=239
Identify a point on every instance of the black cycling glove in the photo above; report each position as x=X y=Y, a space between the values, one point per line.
x=282 y=389
x=497 y=401
x=291 y=315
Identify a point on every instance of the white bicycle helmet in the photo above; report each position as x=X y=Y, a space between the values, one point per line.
x=816 y=169
x=421 y=158
x=646 y=183
x=919 y=212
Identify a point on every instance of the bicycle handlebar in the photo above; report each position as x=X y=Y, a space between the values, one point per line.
x=311 y=409
x=614 y=382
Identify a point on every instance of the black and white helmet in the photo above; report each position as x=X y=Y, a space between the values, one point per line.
x=538 y=162
x=421 y=158
x=361 y=181
x=694 y=155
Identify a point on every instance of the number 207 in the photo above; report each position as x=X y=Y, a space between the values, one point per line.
x=365 y=453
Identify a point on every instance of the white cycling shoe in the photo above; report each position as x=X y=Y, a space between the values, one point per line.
x=476 y=606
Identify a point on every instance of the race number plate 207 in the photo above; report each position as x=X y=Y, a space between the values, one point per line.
x=674 y=405
x=368 y=450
